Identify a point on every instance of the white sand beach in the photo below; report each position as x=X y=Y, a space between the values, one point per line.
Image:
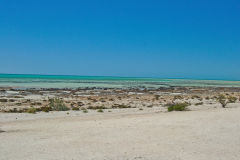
x=199 y=135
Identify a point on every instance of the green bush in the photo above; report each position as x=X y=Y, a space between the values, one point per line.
x=57 y=105
x=177 y=107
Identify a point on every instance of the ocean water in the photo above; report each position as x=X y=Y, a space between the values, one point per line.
x=55 y=81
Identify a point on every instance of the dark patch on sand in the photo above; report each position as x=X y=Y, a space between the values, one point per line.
x=1 y=131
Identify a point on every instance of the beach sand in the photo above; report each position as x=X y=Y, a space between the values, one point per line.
x=189 y=135
x=133 y=124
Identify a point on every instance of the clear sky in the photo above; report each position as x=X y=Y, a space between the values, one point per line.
x=153 y=38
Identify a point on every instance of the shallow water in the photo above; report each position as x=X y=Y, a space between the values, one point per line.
x=54 y=81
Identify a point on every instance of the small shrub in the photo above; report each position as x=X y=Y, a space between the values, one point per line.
x=85 y=111
x=99 y=110
x=36 y=103
x=195 y=96
x=80 y=104
x=94 y=100
x=157 y=97
x=45 y=109
x=111 y=99
x=18 y=97
x=178 y=97
x=75 y=108
x=96 y=107
x=177 y=107
x=223 y=100
x=232 y=99
x=57 y=105
x=11 y=100
x=14 y=110
x=102 y=100
x=3 y=100
x=198 y=104
x=214 y=97
x=120 y=106
x=83 y=108
x=150 y=106
x=31 y=110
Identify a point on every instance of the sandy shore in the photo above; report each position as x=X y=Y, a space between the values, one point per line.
x=191 y=135
x=119 y=124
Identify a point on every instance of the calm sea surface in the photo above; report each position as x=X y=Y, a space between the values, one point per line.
x=54 y=81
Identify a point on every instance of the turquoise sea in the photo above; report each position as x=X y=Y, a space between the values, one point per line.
x=55 y=81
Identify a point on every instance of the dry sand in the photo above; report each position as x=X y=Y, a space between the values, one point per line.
x=212 y=134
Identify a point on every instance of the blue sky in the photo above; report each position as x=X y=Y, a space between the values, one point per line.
x=169 y=39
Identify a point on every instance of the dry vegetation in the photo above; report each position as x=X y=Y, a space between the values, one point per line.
x=32 y=101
